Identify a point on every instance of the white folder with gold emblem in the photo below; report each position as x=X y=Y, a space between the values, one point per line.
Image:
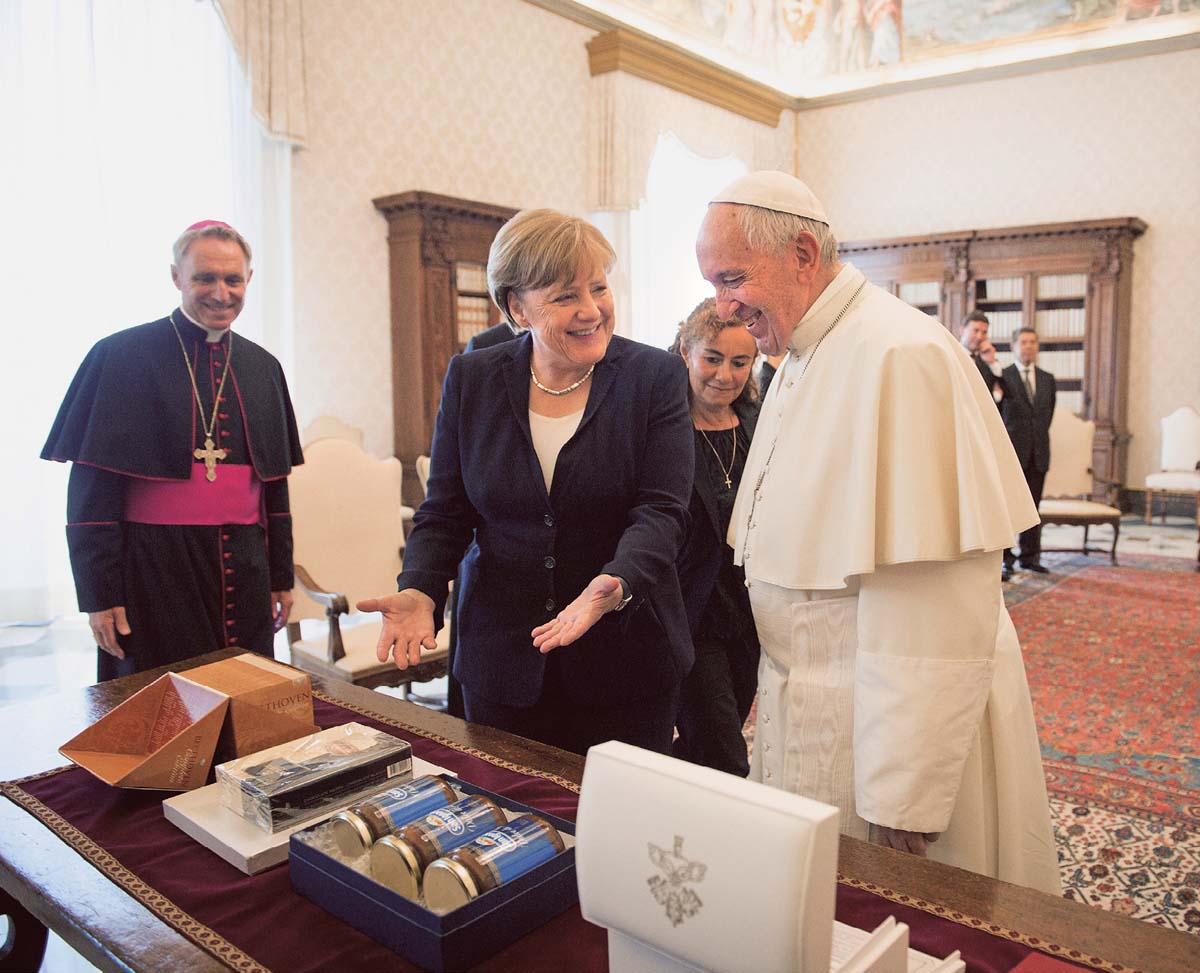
x=692 y=869
x=688 y=867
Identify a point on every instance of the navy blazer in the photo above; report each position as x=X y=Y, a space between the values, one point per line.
x=705 y=546
x=1028 y=423
x=618 y=505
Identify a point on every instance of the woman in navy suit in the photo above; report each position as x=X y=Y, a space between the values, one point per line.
x=568 y=454
x=719 y=690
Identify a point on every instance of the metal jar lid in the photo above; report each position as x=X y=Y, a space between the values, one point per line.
x=448 y=885
x=395 y=864
x=351 y=833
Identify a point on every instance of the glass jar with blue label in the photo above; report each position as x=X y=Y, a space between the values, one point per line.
x=489 y=861
x=399 y=860
x=362 y=824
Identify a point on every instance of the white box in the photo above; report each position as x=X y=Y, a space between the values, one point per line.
x=687 y=866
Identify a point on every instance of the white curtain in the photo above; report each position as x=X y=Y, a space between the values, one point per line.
x=122 y=122
x=655 y=158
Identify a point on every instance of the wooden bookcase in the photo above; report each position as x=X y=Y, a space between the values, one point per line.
x=1070 y=281
x=437 y=262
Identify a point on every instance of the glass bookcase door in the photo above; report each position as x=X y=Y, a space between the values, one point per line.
x=924 y=295
x=1060 y=317
x=472 y=305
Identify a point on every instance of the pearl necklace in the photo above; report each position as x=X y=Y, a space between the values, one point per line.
x=569 y=388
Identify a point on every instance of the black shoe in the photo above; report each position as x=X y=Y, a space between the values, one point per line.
x=1037 y=567
x=1006 y=572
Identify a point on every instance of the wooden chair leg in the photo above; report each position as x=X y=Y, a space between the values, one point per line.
x=1116 y=533
x=1149 y=506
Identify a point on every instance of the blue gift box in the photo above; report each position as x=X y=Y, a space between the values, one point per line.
x=454 y=941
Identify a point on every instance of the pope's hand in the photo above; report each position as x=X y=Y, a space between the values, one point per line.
x=105 y=626
x=602 y=595
x=407 y=625
x=914 y=842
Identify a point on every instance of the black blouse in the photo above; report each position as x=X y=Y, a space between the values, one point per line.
x=727 y=614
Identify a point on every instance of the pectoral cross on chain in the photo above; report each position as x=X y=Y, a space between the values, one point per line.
x=210 y=457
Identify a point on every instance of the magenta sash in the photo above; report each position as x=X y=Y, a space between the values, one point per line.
x=234 y=497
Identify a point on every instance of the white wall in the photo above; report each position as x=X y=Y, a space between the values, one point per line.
x=481 y=99
x=1115 y=139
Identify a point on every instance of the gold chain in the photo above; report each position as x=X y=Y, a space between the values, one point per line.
x=732 y=459
x=212 y=423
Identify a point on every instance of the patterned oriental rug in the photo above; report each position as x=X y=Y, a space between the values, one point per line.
x=1113 y=659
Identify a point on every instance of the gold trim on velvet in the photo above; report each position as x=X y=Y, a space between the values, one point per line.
x=971 y=922
x=166 y=910
x=437 y=738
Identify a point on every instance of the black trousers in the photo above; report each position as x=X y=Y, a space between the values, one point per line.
x=1029 y=542
x=647 y=722
x=716 y=699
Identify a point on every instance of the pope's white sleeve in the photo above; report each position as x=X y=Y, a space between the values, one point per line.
x=923 y=672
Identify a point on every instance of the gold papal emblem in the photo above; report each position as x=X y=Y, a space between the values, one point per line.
x=671 y=889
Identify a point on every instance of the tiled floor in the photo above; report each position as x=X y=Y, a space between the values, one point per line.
x=37 y=661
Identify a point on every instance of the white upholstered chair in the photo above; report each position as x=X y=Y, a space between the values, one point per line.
x=348 y=534
x=331 y=427
x=1180 y=472
x=1068 y=494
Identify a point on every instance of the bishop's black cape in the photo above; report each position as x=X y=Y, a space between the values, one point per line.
x=130 y=413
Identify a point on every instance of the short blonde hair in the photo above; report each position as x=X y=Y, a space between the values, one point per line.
x=540 y=247
x=218 y=231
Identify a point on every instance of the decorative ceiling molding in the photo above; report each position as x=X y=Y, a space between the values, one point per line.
x=657 y=61
x=704 y=74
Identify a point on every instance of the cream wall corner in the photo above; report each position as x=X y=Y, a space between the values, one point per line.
x=1114 y=139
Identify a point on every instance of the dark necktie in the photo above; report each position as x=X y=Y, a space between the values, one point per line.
x=1029 y=383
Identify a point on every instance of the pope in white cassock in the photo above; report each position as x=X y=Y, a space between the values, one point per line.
x=878 y=495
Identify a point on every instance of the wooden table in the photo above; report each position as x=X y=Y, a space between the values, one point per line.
x=114 y=932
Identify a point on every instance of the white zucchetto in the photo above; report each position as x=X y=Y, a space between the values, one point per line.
x=774 y=191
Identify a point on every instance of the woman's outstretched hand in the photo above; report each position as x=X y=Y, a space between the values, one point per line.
x=602 y=595
x=407 y=625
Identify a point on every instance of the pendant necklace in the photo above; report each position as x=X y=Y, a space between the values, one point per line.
x=569 y=388
x=208 y=453
x=732 y=459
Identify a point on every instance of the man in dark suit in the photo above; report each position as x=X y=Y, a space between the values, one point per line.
x=974 y=337
x=496 y=334
x=1027 y=408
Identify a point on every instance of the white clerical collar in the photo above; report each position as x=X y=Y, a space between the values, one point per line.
x=828 y=303
x=214 y=334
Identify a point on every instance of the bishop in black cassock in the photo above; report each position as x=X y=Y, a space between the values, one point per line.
x=196 y=552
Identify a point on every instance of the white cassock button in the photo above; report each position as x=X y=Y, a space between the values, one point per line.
x=766 y=748
x=791 y=384
x=769 y=775
x=766 y=718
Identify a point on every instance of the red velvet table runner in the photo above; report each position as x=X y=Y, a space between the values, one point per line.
x=258 y=924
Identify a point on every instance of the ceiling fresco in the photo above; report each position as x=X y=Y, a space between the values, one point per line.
x=815 y=48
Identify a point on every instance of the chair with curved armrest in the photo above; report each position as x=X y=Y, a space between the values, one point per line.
x=348 y=534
